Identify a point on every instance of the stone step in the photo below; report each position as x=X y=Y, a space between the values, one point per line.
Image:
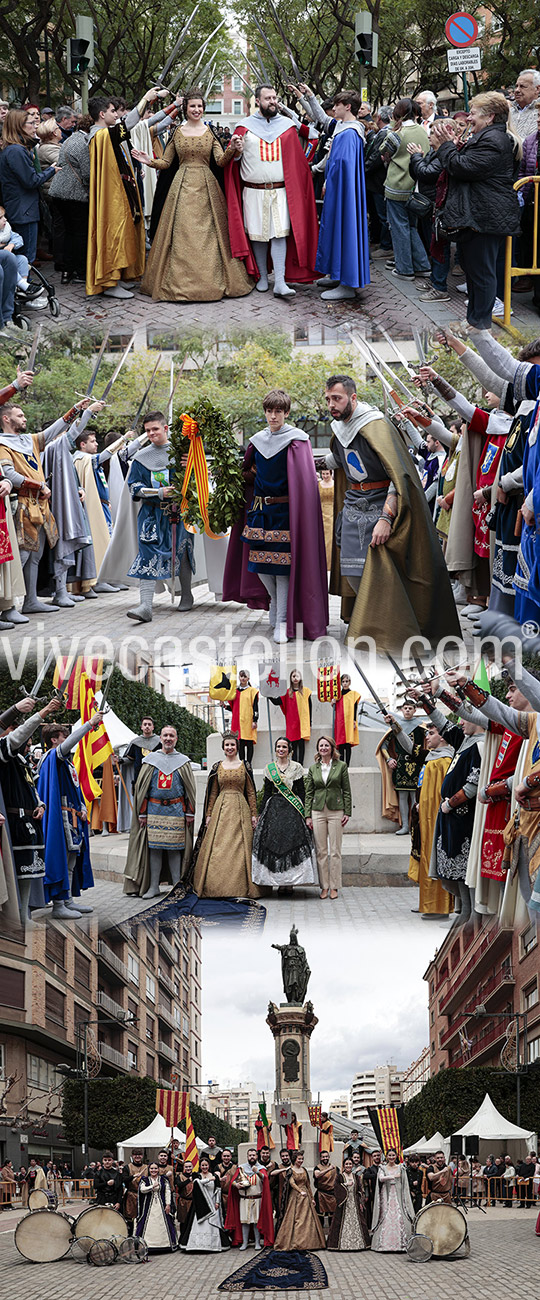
x=369 y=859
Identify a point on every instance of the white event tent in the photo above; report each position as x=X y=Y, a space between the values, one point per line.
x=497 y=1135
x=154 y=1138
x=427 y=1146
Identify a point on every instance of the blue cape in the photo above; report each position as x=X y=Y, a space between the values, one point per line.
x=527 y=601
x=54 y=781
x=343 y=251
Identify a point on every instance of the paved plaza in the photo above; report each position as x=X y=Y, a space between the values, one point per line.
x=388 y=907
x=387 y=301
x=503 y=1265
x=211 y=628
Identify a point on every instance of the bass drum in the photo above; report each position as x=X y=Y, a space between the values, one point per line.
x=41 y=1199
x=446 y=1226
x=101 y=1222
x=43 y=1236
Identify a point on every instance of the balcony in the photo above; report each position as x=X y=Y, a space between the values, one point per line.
x=168 y=948
x=113 y=962
x=166 y=981
x=168 y=1018
x=119 y=1059
x=166 y=1052
x=114 y=1009
x=483 y=1046
x=503 y=979
x=464 y=981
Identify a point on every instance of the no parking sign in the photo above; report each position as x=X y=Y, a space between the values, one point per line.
x=461 y=30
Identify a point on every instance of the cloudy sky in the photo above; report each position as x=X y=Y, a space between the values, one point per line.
x=366 y=987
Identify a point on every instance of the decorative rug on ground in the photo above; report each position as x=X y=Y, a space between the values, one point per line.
x=279 y=1270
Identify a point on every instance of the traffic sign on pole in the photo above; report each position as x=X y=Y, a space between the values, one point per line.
x=464 y=60
x=461 y=30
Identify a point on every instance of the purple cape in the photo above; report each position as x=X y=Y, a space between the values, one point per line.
x=308 y=585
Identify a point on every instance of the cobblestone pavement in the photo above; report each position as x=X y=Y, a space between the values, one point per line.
x=354 y=909
x=503 y=1260
x=387 y=301
x=211 y=628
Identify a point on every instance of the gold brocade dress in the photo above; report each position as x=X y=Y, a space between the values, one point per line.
x=223 y=868
x=190 y=259
x=326 y=493
x=301 y=1228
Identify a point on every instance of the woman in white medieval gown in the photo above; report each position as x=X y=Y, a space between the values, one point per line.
x=203 y=1229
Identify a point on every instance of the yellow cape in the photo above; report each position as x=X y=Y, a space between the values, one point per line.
x=115 y=243
x=434 y=899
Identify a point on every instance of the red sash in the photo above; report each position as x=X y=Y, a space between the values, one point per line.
x=6 y=552
x=497 y=814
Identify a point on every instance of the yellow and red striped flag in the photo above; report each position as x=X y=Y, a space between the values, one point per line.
x=191 y=1152
x=94 y=748
x=315 y=1115
x=172 y=1105
x=67 y=677
x=387 y=1124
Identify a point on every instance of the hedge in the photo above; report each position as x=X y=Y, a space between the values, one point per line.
x=130 y=700
x=126 y=1104
x=451 y=1098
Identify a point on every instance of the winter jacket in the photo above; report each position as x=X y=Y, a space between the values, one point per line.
x=72 y=182
x=481 y=175
x=20 y=183
x=426 y=171
x=374 y=168
x=399 y=183
x=529 y=165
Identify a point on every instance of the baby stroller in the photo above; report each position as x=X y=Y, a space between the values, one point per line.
x=39 y=287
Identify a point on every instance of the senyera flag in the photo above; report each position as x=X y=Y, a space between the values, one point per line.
x=315 y=1116
x=94 y=749
x=387 y=1122
x=172 y=1105
x=67 y=677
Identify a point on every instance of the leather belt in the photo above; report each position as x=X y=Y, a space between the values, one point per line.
x=269 y=501
x=264 y=185
x=369 y=487
x=166 y=801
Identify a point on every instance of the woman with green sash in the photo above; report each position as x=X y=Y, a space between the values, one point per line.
x=283 y=852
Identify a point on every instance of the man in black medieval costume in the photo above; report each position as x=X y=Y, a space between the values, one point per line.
x=24 y=808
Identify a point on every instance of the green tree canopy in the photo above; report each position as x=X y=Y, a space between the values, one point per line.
x=126 y=1104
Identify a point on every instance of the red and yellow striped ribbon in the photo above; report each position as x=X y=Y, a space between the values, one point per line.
x=196 y=462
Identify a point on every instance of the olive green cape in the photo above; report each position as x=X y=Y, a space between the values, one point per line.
x=405 y=589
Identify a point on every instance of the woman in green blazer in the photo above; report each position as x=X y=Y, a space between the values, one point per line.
x=328 y=806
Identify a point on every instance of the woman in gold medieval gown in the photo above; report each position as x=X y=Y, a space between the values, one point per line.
x=222 y=854
x=190 y=259
x=300 y=1227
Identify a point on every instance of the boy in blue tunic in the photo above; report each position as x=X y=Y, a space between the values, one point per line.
x=343 y=251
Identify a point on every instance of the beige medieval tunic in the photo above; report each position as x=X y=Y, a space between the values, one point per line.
x=190 y=259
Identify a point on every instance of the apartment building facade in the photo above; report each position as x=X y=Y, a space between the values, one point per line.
x=126 y=1002
x=483 y=986
x=379 y=1087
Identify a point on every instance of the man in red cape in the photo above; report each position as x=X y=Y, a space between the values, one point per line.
x=237 y=1221
x=270 y=199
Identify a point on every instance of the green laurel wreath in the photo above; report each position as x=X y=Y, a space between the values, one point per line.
x=224 y=467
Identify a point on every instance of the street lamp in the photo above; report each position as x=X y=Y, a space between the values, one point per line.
x=81 y=1070
x=515 y=1017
